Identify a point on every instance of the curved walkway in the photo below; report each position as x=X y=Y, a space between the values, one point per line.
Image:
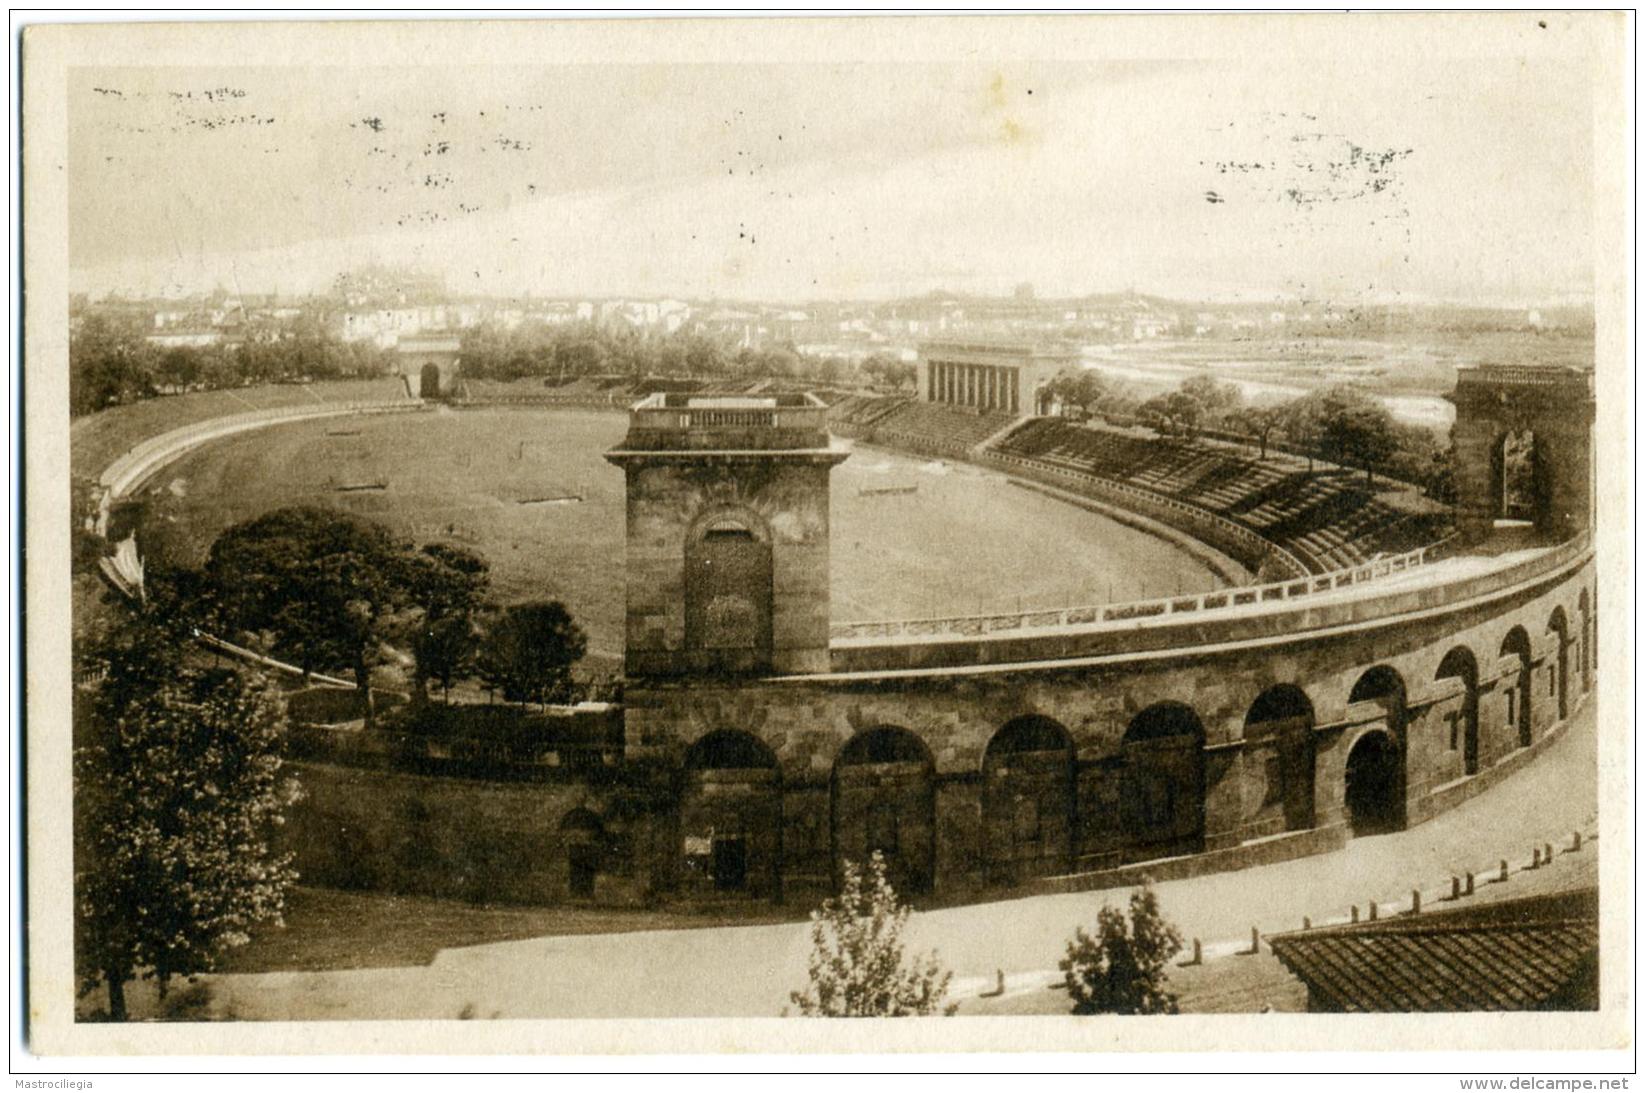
x=748 y=971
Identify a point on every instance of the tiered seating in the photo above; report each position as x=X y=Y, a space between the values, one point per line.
x=863 y=409
x=934 y=429
x=1327 y=517
x=98 y=439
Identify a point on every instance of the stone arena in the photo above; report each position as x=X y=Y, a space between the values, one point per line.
x=1350 y=676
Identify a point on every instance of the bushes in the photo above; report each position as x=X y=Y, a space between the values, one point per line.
x=1122 y=968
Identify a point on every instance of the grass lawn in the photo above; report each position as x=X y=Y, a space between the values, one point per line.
x=956 y=545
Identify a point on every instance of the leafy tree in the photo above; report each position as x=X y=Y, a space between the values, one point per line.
x=1218 y=399
x=1122 y=968
x=1356 y=429
x=325 y=585
x=177 y=785
x=1257 y=422
x=528 y=649
x=447 y=584
x=1177 y=411
x=858 y=967
x=1084 y=390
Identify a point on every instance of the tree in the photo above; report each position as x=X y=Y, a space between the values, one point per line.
x=1356 y=429
x=177 y=786
x=858 y=967
x=1085 y=390
x=324 y=584
x=1177 y=411
x=1122 y=969
x=1217 y=399
x=528 y=649
x=447 y=583
x=1258 y=423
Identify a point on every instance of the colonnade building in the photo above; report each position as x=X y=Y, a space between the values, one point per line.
x=989 y=377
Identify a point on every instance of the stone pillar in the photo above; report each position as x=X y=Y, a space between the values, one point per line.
x=1224 y=797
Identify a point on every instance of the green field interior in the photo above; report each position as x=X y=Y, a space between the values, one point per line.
x=505 y=483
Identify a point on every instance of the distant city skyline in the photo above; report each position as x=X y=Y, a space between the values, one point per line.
x=1391 y=181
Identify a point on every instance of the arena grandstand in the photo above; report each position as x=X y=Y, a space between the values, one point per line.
x=1324 y=515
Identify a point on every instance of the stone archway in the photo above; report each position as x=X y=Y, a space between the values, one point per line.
x=583 y=840
x=1516 y=643
x=1554 y=405
x=1028 y=800
x=884 y=800
x=1279 y=734
x=1374 y=784
x=428 y=381
x=731 y=816
x=728 y=593
x=1374 y=772
x=1162 y=789
x=1560 y=628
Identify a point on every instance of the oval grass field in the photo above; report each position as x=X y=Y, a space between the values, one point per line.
x=504 y=482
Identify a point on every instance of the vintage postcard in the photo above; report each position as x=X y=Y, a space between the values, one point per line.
x=1088 y=533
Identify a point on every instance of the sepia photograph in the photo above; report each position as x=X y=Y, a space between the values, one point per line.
x=1088 y=531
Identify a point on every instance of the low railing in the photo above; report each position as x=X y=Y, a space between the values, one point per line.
x=1097 y=614
x=1256 y=544
x=144 y=458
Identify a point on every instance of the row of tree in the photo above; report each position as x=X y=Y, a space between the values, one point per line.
x=1339 y=424
x=332 y=592
x=112 y=361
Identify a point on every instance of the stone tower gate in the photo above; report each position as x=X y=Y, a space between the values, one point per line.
x=1556 y=405
x=728 y=513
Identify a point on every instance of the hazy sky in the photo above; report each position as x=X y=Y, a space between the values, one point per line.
x=1443 y=179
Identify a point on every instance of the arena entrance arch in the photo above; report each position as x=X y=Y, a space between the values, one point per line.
x=428 y=382
x=1517 y=644
x=1028 y=800
x=728 y=593
x=1374 y=774
x=883 y=798
x=1460 y=664
x=1560 y=627
x=1520 y=483
x=582 y=836
x=1279 y=734
x=1524 y=448
x=1163 y=782
x=731 y=815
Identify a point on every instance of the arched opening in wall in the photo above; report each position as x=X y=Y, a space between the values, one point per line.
x=1560 y=628
x=1374 y=780
x=1374 y=783
x=582 y=837
x=1517 y=644
x=1520 y=479
x=731 y=815
x=1586 y=650
x=428 y=381
x=1028 y=800
x=728 y=594
x=884 y=799
x=1460 y=664
x=1163 y=789
x=1279 y=734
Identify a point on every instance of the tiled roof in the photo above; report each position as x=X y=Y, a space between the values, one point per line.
x=1514 y=955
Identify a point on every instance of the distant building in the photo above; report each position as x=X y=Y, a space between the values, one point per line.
x=990 y=377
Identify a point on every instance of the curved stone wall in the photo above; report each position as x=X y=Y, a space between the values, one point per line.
x=1211 y=738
